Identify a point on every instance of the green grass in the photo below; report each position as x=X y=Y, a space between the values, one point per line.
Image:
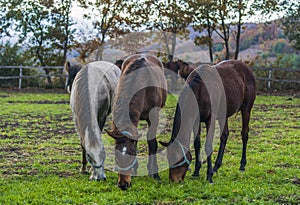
x=40 y=158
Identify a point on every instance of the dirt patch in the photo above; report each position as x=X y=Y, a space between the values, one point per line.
x=40 y=102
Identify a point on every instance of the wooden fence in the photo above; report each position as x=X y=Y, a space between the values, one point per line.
x=21 y=76
x=269 y=79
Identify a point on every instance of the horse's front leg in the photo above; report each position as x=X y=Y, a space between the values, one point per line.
x=83 y=169
x=152 y=143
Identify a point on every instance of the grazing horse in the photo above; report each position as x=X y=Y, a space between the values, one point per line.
x=71 y=69
x=172 y=71
x=211 y=93
x=184 y=69
x=141 y=93
x=119 y=63
x=91 y=100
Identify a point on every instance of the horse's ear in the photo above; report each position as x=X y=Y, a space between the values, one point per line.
x=165 y=144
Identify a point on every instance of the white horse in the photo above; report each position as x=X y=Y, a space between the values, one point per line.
x=91 y=100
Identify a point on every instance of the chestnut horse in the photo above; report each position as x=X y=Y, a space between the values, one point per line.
x=211 y=93
x=141 y=93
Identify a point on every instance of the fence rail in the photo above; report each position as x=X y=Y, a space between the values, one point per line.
x=269 y=79
x=21 y=76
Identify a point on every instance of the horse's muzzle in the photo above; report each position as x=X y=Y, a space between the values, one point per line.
x=124 y=185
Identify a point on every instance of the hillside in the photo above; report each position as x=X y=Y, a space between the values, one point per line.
x=264 y=41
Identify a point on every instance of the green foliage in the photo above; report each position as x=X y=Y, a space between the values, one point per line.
x=280 y=46
x=40 y=158
x=12 y=55
x=291 y=23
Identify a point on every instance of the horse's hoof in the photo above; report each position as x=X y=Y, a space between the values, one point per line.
x=84 y=172
x=155 y=176
x=215 y=170
x=242 y=169
x=102 y=179
x=195 y=175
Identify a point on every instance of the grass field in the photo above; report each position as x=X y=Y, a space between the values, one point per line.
x=40 y=158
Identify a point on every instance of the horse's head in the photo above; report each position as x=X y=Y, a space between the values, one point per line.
x=119 y=63
x=125 y=157
x=179 y=158
x=184 y=69
x=71 y=70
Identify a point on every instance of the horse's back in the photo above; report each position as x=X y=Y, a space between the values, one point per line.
x=233 y=79
x=239 y=85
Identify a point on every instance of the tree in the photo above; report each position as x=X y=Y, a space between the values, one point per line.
x=170 y=18
x=291 y=23
x=43 y=28
x=109 y=19
x=203 y=19
x=226 y=17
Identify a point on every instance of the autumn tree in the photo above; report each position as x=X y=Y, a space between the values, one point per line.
x=170 y=18
x=291 y=23
x=226 y=17
x=203 y=22
x=109 y=18
x=43 y=28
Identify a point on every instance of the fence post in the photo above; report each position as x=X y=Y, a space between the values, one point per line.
x=20 y=77
x=269 y=79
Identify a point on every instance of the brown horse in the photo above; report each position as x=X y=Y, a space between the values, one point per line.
x=140 y=95
x=171 y=69
x=211 y=93
x=71 y=69
x=119 y=63
x=184 y=69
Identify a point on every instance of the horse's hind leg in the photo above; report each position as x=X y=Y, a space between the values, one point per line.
x=245 y=130
x=223 y=141
x=197 y=146
x=210 y=130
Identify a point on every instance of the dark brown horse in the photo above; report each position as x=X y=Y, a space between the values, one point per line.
x=140 y=95
x=171 y=69
x=119 y=63
x=184 y=69
x=211 y=93
x=71 y=69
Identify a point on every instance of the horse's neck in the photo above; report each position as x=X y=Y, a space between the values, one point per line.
x=181 y=129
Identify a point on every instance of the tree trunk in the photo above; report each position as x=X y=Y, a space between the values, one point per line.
x=171 y=54
x=210 y=44
x=237 y=49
